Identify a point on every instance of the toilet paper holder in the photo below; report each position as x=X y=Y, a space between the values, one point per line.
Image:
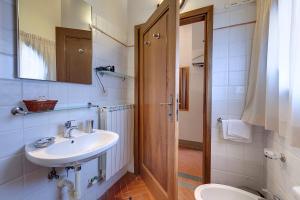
x=270 y=154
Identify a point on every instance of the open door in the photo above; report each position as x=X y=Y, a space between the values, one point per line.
x=157 y=97
x=73 y=55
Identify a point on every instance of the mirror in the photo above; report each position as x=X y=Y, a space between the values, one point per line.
x=55 y=40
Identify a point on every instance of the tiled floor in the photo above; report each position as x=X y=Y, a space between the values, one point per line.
x=189 y=172
x=132 y=187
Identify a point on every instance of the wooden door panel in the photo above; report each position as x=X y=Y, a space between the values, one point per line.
x=78 y=60
x=155 y=92
x=73 y=55
x=158 y=135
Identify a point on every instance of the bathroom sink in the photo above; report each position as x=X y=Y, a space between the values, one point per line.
x=74 y=151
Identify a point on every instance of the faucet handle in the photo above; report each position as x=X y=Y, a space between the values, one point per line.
x=71 y=123
x=90 y=126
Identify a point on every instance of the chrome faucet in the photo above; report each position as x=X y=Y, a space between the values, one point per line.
x=69 y=127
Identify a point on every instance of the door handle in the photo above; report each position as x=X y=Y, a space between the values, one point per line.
x=170 y=104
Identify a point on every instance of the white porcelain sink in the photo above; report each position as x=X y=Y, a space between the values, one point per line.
x=81 y=148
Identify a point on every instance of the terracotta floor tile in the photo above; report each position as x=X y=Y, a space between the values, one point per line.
x=132 y=187
x=190 y=164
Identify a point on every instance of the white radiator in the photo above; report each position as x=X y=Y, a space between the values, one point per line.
x=119 y=119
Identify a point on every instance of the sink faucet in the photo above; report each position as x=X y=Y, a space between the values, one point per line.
x=69 y=127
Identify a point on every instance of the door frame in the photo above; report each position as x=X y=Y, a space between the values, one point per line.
x=204 y=14
x=201 y=14
x=172 y=7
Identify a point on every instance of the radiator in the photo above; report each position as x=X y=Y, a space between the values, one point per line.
x=119 y=119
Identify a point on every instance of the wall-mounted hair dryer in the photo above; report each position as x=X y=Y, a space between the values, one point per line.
x=110 y=68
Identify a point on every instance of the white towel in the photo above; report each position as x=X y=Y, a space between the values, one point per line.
x=237 y=130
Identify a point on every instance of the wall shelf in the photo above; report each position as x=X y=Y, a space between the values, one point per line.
x=115 y=74
x=21 y=111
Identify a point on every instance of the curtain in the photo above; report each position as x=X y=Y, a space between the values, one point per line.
x=37 y=57
x=293 y=112
x=273 y=95
x=256 y=108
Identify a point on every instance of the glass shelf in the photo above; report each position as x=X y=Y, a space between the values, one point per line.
x=22 y=111
x=115 y=74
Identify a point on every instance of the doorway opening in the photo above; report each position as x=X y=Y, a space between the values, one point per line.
x=195 y=33
x=191 y=99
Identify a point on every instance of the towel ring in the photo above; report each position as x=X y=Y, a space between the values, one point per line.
x=220 y=119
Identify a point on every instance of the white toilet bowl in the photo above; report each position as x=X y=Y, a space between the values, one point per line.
x=222 y=192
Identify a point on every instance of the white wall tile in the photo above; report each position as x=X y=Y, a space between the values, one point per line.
x=237 y=48
x=282 y=177
x=59 y=91
x=36 y=120
x=220 y=93
x=78 y=94
x=11 y=142
x=220 y=107
x=220 y=65
x=221 y=51
x=7 y=13
x=35 y=184
x=35 y=90
x=10 y=168
x=238 y=63
x=243 y=14
x=12 y=190
x=218 y=149
x=7 y=66
x=236 y=166
x=235 y=108
x=236 y=92
x=11 y=92
x=8 y=42
x=238 y=78
x=221 y=36
x=220 y=79
x=217 y=162
x=221 y=19
x=235 y=150
x=232 y=48
x=238 y=34
x=9 y=122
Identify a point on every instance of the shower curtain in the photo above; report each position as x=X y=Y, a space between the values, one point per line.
x=273 y=95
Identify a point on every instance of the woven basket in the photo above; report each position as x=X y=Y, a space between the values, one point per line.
x=40 y=106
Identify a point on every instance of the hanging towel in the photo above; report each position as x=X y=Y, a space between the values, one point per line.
x=237 y=130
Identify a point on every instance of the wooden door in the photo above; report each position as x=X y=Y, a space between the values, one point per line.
x=158 y=139
x=73 y=55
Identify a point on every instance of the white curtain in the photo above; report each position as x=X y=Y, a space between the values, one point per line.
x=273 y=100
x=37 y=57
x=293 y=120
x=256 y=107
